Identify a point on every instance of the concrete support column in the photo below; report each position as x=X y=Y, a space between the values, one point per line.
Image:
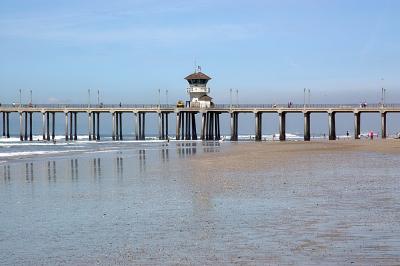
x=53 y=126
x=21 y=137
x=120 y=126
x=71 y=136
x=178 y=125
x=217 y=129
x=4 y=124
x=30 y=127
x=160 y=125
x=90 y=126
x=26 y=126
x=136 y=121
x=258 y=117
x=383 y=125
x=332 y=126
x=94 y=125
x=98 y=126
x=166 y=126
x=236 y=125
x=48 y=125
x=44 y=125
x=357 y=125
x=182 y=125
x=116 y=126
x=194 y=131
x=8 y=125
x=187 y=126
x=212 y=126
x=282 y=126
x=140 y=126
x=203 y=120
x=209 y=126
x=75 y=126
x=113 y=126
x=307 y=133
x=144 y=126
x=66 y=126
x=232 y=126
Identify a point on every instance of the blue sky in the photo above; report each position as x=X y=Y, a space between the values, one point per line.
x=344 y=51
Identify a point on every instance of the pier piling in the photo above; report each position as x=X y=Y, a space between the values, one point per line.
x=66 y=126
x=383 y=125
x=307 y=133
x=332 y=125
x=357 y=125
x=282 y=126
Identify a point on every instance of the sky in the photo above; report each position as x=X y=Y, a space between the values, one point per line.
x=342 y=51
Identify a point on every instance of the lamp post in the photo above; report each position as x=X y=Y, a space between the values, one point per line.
x=88 y=98
x=309 y=97
x=237 y=98
x=166 y=95
x=159 y=96
x=30 y=101
x=20 y=98
x=98 y=97
x=304 y=98
x=230 y=93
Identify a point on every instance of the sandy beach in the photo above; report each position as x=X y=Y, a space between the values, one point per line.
x=315 y=203
x=265 y=155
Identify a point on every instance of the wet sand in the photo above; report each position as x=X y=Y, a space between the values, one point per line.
x=315 y=203
x=264 y=155
x=268 y=203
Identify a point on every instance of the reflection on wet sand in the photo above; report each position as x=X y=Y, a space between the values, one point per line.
x=164 y=154
x=28 y=172
x=186 y=149
x=120 y=167
x=51 y=171
x=74 y=169
x=211 y=146
x=96 y=168
x=142 y=160
x=6 y=173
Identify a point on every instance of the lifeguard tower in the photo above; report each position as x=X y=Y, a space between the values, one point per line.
x=198 y=90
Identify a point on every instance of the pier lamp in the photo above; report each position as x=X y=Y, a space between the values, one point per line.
x=237 y=98
x=230 y=93
x=20 y=97
x=159 y=96
x=88 y=98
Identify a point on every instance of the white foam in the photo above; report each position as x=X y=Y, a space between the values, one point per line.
x=27 y=153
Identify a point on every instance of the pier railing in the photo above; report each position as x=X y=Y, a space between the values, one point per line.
x=217 y=106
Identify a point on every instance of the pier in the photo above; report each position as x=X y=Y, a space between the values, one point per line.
x=186 y=118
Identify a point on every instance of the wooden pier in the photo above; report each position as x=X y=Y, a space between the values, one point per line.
x=185 y=119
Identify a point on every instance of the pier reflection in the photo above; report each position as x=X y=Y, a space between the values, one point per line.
x=164 y=153
x=74 y=169
x=186 y=149
x=51 y=171
x=142 y=160
x=120 y=167
x=6 y=173
x=211 y=146
x=96 y=168
x=29 y=172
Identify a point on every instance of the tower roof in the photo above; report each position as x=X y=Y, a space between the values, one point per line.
x=198 y=75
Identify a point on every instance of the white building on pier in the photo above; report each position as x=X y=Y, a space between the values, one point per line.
x=198 y=90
